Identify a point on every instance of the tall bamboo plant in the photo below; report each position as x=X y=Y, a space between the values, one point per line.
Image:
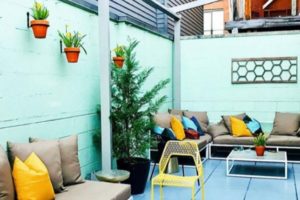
x=132 y=107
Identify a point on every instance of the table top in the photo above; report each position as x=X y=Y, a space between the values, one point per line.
x=250 y=155
x=114 y=175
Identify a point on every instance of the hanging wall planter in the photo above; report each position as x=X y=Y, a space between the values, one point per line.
x=72 y=54
x=73 y=43
x=119 y=58
x=119 y=61
x=39 y=25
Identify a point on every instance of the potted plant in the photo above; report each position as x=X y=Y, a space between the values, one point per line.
x=39 y=25
x=131 y=116
x=120 y=56
x=260 y=143
x=73 y=43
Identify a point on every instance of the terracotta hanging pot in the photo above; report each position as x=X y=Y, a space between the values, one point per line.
x=260 y=150
x=119 y=61
x=72 y=54
x=39 y=28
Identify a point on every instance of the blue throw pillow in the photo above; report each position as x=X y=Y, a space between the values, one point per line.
x=188 y=124
x=199 y=129
x=253 y=125
x=168 y=134
x=158 y=130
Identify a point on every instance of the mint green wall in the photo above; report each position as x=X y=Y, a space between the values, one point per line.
x=206 y=76
x=41 y=95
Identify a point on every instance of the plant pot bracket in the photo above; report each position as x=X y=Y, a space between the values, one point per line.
x=28 y=23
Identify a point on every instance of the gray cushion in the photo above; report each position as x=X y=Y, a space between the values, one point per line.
x=217 y=129
x=163 y=120
x=202 y=141
x=47 y=151
x=283 y=140
x=92 y=190
x=69 y=159
x=226 y=120
x=200 y=116
x=7 y=191
x=286 y=123
x=229 y=139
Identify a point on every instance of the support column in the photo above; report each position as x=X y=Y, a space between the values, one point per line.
x=105 y=86
x=294 y=7
x=177 y=66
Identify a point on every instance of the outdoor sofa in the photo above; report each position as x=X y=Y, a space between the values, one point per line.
x=218 y=140
x=61 y=159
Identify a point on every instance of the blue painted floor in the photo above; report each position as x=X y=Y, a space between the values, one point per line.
x=218 y=186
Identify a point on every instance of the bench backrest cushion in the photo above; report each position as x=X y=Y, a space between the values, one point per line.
x=47 y=151
x=7 y=191
x=286 y=124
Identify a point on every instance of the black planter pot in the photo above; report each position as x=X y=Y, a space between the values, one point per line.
x=139 y=170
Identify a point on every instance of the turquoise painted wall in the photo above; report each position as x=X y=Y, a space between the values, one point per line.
x=41 y=95
x=206 y=76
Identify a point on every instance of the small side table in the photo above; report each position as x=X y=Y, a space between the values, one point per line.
x=113 y=176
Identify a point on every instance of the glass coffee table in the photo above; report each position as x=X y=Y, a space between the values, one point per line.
x=245 y=163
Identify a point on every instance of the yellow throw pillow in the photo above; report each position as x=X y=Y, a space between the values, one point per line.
x=31 y=178
x=177 y=127
x=239 y=128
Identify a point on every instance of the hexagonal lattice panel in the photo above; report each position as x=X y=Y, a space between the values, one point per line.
x=264 y=70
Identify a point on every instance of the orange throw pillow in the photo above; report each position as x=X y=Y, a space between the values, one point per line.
x=239 y=128
x=177 y=127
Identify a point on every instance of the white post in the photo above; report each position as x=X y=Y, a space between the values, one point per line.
x=294 y=7
x=177 y=66
x=105 y=86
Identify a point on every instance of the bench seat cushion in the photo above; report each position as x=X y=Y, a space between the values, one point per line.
x=202 y=141
x=283 y=140
x=228 y=139
x=97 y=191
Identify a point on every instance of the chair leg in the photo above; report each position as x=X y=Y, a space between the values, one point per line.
x=161 y=192
x=152 y=171
x=182 y=166
x=152 y=191
x=202 y=187
x=198 y=178
x=193 y=193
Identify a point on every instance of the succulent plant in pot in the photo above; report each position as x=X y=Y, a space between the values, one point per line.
x=39 y=24
x=260 y=143
x=73 y=43
x=120 y=56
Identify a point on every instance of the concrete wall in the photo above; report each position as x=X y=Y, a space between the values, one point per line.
x=206 y=76
x=41 y=95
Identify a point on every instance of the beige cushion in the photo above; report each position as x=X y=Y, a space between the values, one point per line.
x=163 y=120
x=226 y=120
x=283 y=140
x=200 y=116
x=175 y=112
x=92 y=190
x=7 y=191
x=202 y=141
x=286 y=123
x=217 y=129
x=229 y=139
x=47 y=151
x=69 y=159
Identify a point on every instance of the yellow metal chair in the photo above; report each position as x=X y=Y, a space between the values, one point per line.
x=179 y=148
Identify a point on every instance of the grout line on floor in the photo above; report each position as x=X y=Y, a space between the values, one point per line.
x=208 y=177
x=247 y=189
x=295 y=184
